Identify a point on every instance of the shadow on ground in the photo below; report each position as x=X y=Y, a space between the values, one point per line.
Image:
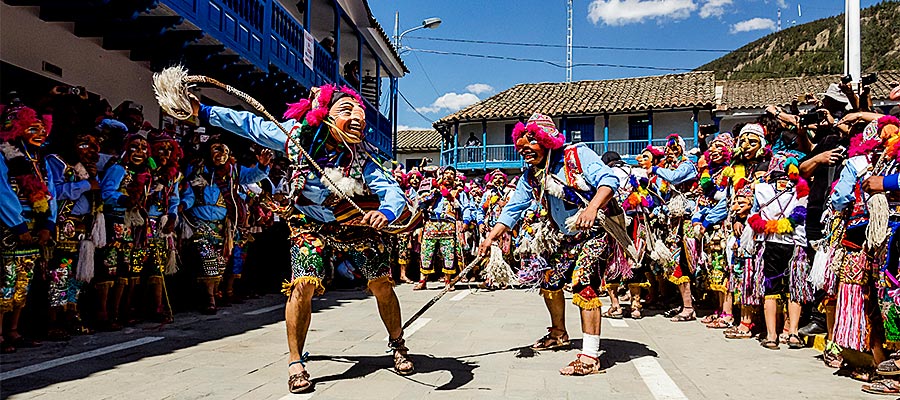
x=462 y=372
x=189 y=329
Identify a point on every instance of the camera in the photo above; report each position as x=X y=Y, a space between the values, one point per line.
x=846 y=79
x=75 y=91
x=812 y=118
x=869 y=79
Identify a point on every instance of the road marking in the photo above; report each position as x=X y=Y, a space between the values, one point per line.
x=657 y=380
x=77 y=357
x=265 y=310
x=413 y=328
x=461 y=295
x=616 y=323
x=297 y=396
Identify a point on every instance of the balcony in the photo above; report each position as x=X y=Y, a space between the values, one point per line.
x=504 y=156
x=267 y=35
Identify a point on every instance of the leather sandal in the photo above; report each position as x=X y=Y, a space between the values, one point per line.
x=550 y=342
x=794 y=342
x=581 y=368
x=299 y=382
x=738 y=333
x=684 y=317
x=886 y=387
x=403 y=365
x=613 y=312
x=770 y=344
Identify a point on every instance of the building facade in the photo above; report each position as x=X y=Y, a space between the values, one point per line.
x=275 y=50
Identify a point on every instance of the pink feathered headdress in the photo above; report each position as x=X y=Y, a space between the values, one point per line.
x=490 y=176
x=543 y=129
x=16 y=121
x=656 y=152
x=316 y=109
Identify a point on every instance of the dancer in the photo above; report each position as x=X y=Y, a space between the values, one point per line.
x=571 y=186
x=330 y=126
x=28 y=203
x=444 y=202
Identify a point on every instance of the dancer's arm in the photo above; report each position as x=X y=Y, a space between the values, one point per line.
x=247 y=125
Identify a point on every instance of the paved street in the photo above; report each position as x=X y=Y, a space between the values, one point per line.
x=465 y=347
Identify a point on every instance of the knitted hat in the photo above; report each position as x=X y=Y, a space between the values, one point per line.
x=725 y=139
x=543 y=129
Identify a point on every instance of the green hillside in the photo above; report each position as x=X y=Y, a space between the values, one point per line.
x=816 y=48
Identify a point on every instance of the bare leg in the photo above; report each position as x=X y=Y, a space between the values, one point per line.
x=770 y=311
x=557 y=308
x=297 y=315
x=635 y=301
x=102 y=304
x=590 y=321
x=590 y=352
x=688 y=306
x=117 y=290
x=157 y=294
x=613 y=289
x=728 y=306
x=388 y=306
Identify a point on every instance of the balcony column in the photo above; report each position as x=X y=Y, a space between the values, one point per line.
x=650 y=127
x=455 y=144
x=306 y=16
x=564 y=124
x=484 y=143
x=605 y=132
x=696 y=125
x=377 y=82
x=337 y=42
x=360 y=42
x=441 y=156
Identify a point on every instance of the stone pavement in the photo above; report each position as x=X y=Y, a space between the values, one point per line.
x=465 y=347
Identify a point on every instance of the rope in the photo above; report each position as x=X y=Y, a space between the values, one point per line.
x=198 y=79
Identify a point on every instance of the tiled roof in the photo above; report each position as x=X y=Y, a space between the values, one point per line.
x=758 y=93
x=418 y=140
x=692 y=89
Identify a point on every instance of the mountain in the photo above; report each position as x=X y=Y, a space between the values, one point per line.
x=816 y=48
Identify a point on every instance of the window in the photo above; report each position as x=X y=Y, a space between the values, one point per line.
x=638 y=131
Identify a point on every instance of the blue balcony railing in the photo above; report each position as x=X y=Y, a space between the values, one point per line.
x=265 y=33
x=505 y=155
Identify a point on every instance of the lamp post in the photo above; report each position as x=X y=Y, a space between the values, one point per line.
x=428 y=23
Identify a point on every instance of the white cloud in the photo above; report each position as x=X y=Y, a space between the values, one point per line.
x=714 y=8
x=782 y=4
x=479 y=88
x=451 y=102
x=754 y=24
x=401 y=127
x=622 y=12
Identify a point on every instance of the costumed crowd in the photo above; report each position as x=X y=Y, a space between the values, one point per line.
x=787 y=227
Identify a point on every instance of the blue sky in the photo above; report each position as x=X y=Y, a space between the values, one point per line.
x=440 y=84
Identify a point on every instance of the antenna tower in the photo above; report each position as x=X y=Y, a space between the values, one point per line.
x=569 y=42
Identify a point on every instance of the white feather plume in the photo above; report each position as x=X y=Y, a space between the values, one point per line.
x=171 y=92
x=343 y=184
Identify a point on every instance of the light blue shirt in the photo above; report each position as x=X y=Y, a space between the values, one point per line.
x=208 y=210
x=13 y=211
x=595 y=172
x=74 y=191
x=266 y=133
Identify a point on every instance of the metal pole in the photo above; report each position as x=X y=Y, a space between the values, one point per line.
x=852 y=56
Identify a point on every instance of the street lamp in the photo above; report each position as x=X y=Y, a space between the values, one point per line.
x=428 y=23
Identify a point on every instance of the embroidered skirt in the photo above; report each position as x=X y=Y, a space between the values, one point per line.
x=63 y=287
x=15 y=277
x=580 y=260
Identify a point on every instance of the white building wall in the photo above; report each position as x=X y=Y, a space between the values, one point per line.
x=27 y=42
x=433 y=155
x=664 y=123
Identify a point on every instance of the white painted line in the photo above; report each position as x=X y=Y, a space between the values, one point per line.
x=616 y=323
x=77 y=357
x=657 y=380
x=265 y=310
x=413 y=328
x=461 y=295
x=301 y=396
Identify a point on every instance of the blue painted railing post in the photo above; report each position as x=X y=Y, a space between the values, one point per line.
x=650 y=127
x=455 y=144
x=605 y=132
x=484 y=143
x=336 y=74
x=565 y=128
x=307 y=18
x=696 y=126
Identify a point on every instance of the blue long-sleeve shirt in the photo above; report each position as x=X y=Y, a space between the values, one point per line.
x=266 y=133
x=844 y=194
x=681 y=174
x=711 y=215
x=595 y=172
x=69 y=190
x=13 y=212
x=209 y=208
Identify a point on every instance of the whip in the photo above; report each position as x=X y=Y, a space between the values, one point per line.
x=171 y=89
x=442 y=293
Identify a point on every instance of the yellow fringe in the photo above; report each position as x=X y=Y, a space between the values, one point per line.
x=237 y=276
x=122 y=281
x=718 y=288
x=448 y=271
x=678 y=281
x=774 y=296
x=551 y=294
x=107 y=284
x=584 y=304
x=609 y=286
x=642 y=285
x=155 y=279
x=5 y=306
x=288 y=287
x=205 y=279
